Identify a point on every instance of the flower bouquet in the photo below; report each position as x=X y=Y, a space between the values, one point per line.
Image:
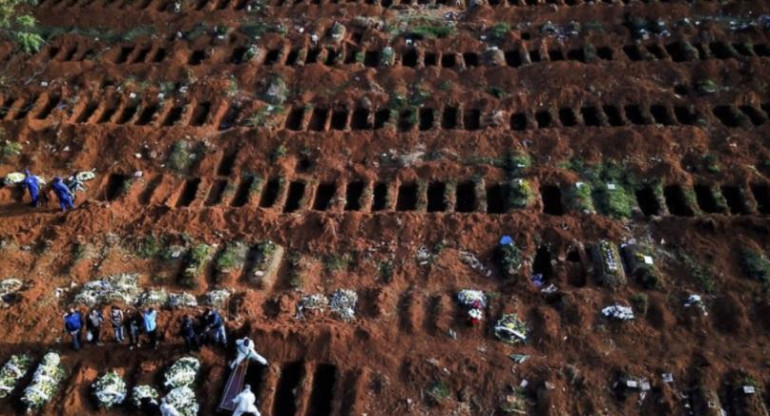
x=110 y=389
x=182 y=373
x=13 y=370
x=509 y=328
x=182 y=399
x=45 y=382
x=343 y=303
x=143 y=392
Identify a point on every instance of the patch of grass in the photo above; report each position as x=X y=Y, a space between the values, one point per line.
x=385 y=268
x=432 y=32
x=499 y=30
x=335 y=263
x=267 y=116
x=296 y=280
x=616 y=202
x=520 y=194
x=196 y=258
x=228 y=259
x=10 y=149
x=711 y=163
x=438 y=391
x=704 y=275
x=496 y=92
x=640 y=303
x=180 y=157
x=148 y=247
x=580 y=200
x=278 y=153
x=19 y=28
x=756 y=265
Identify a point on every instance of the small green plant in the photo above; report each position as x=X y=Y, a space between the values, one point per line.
x=445 y=85
x=516 y=163
x=640 y=302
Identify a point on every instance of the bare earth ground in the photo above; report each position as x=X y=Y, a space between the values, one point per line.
x=354 y=192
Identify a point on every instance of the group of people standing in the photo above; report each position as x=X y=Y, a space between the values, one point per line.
x=136 y=321
x=209 y=327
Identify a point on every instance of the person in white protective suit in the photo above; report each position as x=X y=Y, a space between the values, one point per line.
x=244 y=402
x=245 y=349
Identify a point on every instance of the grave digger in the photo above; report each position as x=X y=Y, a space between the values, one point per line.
x=74 y=182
